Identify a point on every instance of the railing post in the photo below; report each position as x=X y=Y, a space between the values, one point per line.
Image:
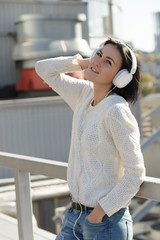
x=24 y=205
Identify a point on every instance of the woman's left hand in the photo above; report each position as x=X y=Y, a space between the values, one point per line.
x=96 y=215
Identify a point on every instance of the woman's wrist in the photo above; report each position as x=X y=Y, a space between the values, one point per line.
x=83 y=63
x=100 y=210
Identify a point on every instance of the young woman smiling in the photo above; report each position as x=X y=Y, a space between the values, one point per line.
x=105 y=166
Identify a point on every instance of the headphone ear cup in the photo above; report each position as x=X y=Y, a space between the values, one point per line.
x=122 y=78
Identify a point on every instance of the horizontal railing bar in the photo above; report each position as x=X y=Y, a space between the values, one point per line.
x=34 y=165
x=150 y=188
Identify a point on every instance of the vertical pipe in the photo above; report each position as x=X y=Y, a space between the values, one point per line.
x=110 y=4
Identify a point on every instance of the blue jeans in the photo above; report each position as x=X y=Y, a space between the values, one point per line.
x=117 y=227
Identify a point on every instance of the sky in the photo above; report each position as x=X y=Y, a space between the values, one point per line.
x=138 y=22
x=133 y=20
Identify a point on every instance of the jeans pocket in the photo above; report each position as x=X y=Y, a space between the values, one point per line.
x=96 y=231
x=103 y=222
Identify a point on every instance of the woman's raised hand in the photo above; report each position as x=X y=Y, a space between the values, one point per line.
x=84 y=63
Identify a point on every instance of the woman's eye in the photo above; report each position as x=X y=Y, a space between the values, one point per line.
x=99 y=54
x=109 y=62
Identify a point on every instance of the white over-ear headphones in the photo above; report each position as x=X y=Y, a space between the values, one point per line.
x=123 y=77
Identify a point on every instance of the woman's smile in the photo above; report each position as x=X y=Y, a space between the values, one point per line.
x=94 y=70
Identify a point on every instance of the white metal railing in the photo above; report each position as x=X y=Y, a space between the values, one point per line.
x=23 y=165
x=151 y=140
x=151 y=113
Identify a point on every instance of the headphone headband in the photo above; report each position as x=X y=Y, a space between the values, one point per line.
x=134 y=60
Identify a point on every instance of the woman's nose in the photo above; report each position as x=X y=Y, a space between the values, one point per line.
x=96 y=60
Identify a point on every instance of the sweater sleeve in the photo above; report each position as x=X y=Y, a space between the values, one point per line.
x=52 y=72
x=124 y=130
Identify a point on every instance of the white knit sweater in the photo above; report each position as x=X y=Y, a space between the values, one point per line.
x=105 y=162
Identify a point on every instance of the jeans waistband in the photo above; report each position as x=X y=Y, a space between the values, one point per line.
x=81 y=207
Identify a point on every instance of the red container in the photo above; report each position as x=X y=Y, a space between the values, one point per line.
x=30 y=81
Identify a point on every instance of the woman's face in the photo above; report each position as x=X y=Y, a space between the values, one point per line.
x=104 y=66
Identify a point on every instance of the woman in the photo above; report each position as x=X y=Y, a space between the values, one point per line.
x=105 y=167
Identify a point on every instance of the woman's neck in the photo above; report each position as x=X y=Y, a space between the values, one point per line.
x=100 y=94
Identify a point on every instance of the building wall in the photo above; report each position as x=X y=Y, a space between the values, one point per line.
x=10 y=10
